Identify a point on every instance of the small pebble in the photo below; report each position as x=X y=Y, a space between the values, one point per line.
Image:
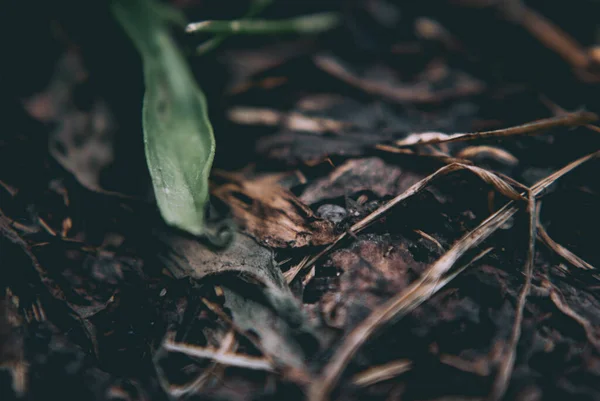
x=333 y=213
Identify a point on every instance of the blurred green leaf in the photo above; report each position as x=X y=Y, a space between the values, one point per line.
x=178 y=136
x=255 y=8
x=306 y=24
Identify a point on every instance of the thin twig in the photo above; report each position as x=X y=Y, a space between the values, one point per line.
x=568 y=120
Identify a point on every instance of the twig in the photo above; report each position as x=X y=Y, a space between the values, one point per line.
x=568 y=120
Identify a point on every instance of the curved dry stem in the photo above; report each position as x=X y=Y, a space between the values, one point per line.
x=380 y=373
x=500 y=184
x=561 y=250
x=507 y=365
x=432 y=280
x=568 y=120
x=541 y=186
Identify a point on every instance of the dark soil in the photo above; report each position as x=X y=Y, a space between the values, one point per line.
x=335 y=286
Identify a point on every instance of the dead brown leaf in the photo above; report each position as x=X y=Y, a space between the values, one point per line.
x=373 y=269
x=271 y=213
x=357 y=175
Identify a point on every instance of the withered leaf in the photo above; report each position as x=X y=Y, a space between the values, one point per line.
x=373 y=268
x=254 y=264
x=356 y=175
x=272 y=214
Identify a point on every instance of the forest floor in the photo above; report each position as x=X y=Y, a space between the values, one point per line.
x=381 y=253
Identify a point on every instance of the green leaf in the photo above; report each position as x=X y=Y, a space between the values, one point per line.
x=178 y=137
x=307 y=24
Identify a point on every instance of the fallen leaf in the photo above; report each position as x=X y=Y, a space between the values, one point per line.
x=372 y=270
x=357 y=175
x=271 y=213
x=282 y=322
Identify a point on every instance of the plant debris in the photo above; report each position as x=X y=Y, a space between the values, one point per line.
x=407 y=208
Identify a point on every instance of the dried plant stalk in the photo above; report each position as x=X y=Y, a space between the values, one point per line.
x=380 y=373
x=494 y=180
x=507 y=365
x=567 y=120
x=224 y=358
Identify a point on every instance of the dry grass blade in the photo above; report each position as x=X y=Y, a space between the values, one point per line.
x=229 y=359
x=539 y=188
x=380 y=373
x=549 y=34
x=498 y=183
x=506 y=366
x=501 y=155
x=432 y=280
x=227 y=346
x=431 y=239
x=290 y=372
x=567 y=120
x=559 y=249
x=292 y=272
x=293 y=120
x=441 y=157
x=562 y=305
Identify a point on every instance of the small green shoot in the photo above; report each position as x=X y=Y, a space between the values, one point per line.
x=178 y=136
